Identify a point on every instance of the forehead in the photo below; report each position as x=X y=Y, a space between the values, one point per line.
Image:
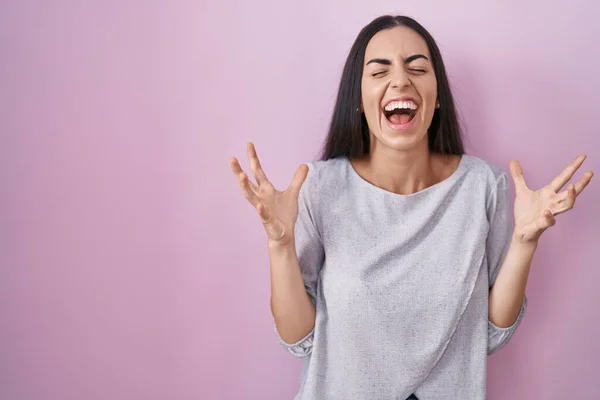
x=398 y=41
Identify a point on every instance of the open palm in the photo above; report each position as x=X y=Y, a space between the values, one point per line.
x=535 y=210
x=278 y=210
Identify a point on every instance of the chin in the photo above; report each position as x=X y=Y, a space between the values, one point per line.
x=400 y=142
x=404 y=139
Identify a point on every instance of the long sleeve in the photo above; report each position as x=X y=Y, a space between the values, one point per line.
x=309 y=249
x=498 y=241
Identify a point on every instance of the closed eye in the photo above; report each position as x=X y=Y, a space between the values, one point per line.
x=379 y=73
x=418 y=70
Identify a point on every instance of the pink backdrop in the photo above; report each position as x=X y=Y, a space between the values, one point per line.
x=132 y=267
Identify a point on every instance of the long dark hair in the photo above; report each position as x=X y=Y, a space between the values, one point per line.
x=349 y=133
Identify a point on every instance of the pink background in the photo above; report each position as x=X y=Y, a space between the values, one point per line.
x=131 y=265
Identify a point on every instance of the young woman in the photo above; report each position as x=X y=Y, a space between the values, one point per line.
x=396 y=266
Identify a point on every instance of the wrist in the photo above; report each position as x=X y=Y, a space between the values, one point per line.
x=283 y=245
x=519 y=241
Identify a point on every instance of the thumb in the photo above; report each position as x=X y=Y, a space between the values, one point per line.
x=298 y=180
x=517 y=175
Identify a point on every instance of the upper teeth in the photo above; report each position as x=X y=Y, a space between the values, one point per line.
x=393 y=105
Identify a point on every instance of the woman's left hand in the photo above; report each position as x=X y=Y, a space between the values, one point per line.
x=535 y=209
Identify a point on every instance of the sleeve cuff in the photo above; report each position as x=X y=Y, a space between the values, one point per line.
x=499 y=337
x=301 y=348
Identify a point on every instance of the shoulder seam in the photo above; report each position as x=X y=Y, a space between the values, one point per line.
x=494 y=190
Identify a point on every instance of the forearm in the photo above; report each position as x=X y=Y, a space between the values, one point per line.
x=508 y=291
x=292 y=308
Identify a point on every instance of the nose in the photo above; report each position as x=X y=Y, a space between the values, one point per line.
x=400 y=79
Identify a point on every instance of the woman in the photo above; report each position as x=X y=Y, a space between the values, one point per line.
x=396 y=266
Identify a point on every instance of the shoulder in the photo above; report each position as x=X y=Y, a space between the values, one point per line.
x=327 y=166
x=327 y=172
x=485 y=171
x=491 y=178
x=326 y=179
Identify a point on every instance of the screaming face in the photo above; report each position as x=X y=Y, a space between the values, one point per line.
x=399 y=88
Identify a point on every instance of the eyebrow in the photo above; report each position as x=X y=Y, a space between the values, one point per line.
x=407 y=60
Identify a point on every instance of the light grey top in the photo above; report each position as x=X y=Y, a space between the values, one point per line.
x=401 y=283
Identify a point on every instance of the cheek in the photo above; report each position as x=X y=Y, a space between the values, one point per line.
x=372 y=107
x=431 y=90
x=427 y=89
x=371 y=95
x=372 y=91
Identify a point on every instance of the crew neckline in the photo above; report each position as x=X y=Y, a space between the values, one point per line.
x=447 y=181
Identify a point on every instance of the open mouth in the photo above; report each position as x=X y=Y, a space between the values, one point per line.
x=400 y=112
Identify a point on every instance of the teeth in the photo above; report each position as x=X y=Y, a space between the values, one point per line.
x=393 y=105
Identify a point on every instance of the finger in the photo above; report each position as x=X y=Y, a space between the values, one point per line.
x=259 y=174
x=237 y=170
x=546 y=221
x=583 y=182
x=299 y=178
x=568 y=202
x=562 y=196
x=248 y=188
x=567 y=173
x=549 y=218
x=517 y=175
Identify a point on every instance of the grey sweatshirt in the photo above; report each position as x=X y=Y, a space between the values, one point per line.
x=401 y=283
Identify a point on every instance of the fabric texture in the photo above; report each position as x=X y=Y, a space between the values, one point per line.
x=401 y=283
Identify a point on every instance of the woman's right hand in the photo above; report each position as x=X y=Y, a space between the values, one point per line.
x=277 y=210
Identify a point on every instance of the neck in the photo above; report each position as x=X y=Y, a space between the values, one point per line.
x=404 y=172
